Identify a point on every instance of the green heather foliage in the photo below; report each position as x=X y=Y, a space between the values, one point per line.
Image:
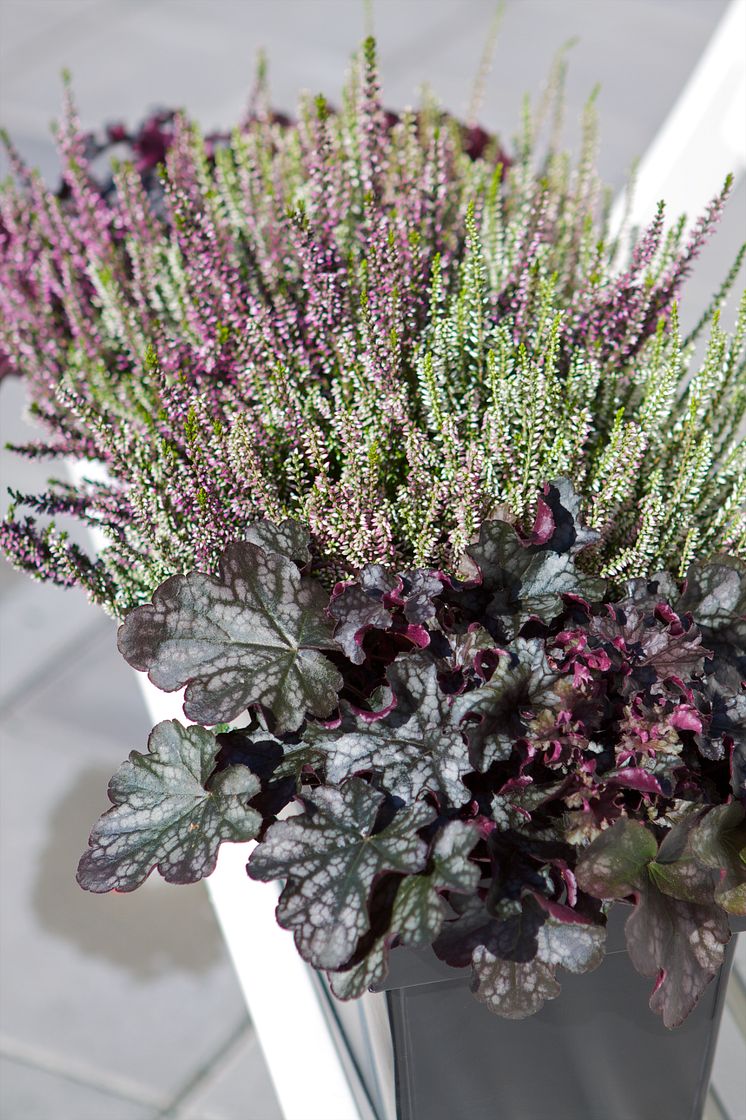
x=376 y=324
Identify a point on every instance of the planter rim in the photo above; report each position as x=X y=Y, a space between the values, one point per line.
x=410 y=968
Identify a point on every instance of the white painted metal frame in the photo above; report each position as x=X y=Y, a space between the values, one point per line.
x=703 y=138
x=279 y=988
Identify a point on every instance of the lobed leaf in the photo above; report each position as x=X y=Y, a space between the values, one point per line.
x=358 y=607
x=719 y=842
x=515 y=990
x=529 y=581
x=253 y=634
x=290 y=538
x=418 y=910
x=418 y=595
x=512 y=934
x=168 y=813
x=715 y=594
x=522 y=684
x=679 y=943
x=331 y=855
x=613 y=865
x=415 y=747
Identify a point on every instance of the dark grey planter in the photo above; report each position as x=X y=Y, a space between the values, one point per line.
x=595 y=1053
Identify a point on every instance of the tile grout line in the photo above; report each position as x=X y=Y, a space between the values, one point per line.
x=209 y=1071
x=45 y=1061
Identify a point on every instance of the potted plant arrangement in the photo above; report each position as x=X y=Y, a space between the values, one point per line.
x=413 y=484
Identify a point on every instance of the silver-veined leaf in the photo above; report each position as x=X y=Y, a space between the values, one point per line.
x=168 y=814
x=515 y=990
x=415 y=747
x=330 y=856
x=418 y=910
x=252 y=634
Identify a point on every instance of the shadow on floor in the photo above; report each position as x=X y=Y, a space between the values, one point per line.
x=158 y=928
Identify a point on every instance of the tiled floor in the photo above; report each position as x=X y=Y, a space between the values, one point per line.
x=124 y=1007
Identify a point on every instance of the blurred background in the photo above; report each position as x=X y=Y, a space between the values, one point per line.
x=124 y=1007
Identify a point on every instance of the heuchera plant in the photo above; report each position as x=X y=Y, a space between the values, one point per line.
x=413 y=486
x=480 y=759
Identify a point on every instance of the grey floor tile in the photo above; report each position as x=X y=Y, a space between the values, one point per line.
x=135 y=985
x=238 y=1089
x=28 y=1093
x=98 y=693
x=41 y=626
x=28 y=27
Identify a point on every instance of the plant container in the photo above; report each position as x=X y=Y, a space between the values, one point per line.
x=425 y=1049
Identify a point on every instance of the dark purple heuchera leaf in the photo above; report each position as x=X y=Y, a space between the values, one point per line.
x=331 y=855
x=515 y=990
x=704 y=857
x=511 y=807
x=253 y=634
x=466 y=649
x=169 y=813
x=652 y=649
x=374 y=598
x=416 y=747
x=419 y=909
x=419 y=591
x=511 y=933
x=678 y=941
x=522 y=684
x=526 y=580
x=568 y=534
x=681 y=944
x=724 y=693
x=359 y=606
x=279 y=766
x=715 y=594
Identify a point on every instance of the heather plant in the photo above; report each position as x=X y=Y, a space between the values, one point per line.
x=374 y=324
x=405 y=474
